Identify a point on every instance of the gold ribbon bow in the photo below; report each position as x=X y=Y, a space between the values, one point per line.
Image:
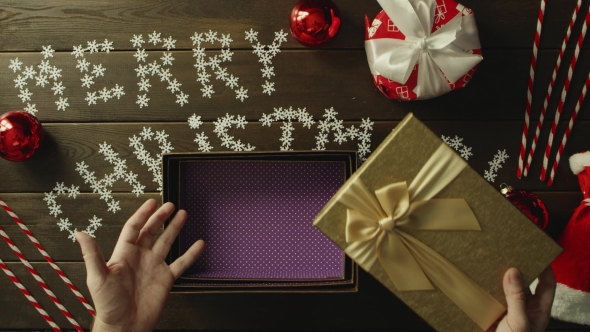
x=374 y=231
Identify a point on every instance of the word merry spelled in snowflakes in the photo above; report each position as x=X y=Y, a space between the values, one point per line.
x=206 y=66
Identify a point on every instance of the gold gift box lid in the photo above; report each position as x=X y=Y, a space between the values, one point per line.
x=507 y=237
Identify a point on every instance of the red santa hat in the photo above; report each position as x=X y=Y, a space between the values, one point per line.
x=572 y=267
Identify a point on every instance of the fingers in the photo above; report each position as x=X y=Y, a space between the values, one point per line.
x=190 y=256
x=545 y=290
x=133 y=226
x=162 y=245
x=516 y=317
x=93 y=259
x=146 y=235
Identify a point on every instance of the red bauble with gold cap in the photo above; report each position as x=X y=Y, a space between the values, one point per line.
x=21 y=135
x=314 y=22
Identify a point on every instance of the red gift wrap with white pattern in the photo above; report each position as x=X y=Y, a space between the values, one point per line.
x=421 y=49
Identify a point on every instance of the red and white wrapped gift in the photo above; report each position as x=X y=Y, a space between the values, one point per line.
x=421 y=49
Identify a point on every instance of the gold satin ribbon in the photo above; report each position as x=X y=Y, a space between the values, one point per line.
x=374 y=231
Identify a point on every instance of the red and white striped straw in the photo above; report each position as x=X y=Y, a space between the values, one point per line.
x=48 y=258
x=568 y=130
x=40 y=281
x=29 y=297
x=527 y=114
x=550 y=89
x=563 y=95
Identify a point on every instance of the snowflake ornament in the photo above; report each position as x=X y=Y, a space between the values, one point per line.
x=154 y=38
x=242 y=94
x=142 y=100
x=47 y=52
x=182 y=99
x=25 y=95
x=58 y=88
x=251 y=36
x=15 y=65
x=194 y=121
x=140 y=55
x=495 y=164
x=31 y=108
x=20 y=82
x=83 y=65
x=137 y=41
x=268 y=87
x=457 y=144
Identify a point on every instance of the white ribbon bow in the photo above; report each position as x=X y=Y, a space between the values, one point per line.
x=440 y=55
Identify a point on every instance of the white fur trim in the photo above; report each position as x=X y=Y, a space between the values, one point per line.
x=571 y=305
x=579 y=160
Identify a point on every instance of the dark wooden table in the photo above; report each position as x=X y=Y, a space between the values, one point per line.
x=487 y=114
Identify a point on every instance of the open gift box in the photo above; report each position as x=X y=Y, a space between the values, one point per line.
x=433 y=231
x=255 y=211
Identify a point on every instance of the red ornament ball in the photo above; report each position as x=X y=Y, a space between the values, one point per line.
x=315 y=22
x=530 y=204
x=21 y=135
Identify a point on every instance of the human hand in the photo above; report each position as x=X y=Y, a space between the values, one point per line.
x=526 y=312
x=130 y=290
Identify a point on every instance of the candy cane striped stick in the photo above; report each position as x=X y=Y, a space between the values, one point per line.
x=40 y=281
x=568 y=130
x=29 y=297
x=563 y=95
x=47 y=257
x=527 y=114
x=550 y=89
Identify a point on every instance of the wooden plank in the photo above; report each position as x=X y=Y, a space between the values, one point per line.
x=248 y=311
x=33 y=211
x=63 y=23
x=68 y=144
x=316 y=80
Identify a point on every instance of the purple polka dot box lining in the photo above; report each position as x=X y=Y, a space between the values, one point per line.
x=256 y=217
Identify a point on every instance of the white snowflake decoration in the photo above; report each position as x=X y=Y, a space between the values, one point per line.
x=156 y=68
x=31 y=108
x=15 y=65
x=222 y=126
x=268 y=87
x=62 y=104
x=457 y=144
x=266 y=54
x=203 y=63
x=142 y=100
x=241 y=93
x=55 y=210
x=98 y=70
x=194 y=122
x=495 y=164
x=342 y=134
x=137 y=41
x=42 y=79
x=181 y=99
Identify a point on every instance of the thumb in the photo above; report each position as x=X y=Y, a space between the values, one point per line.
x=516 y=317
x=95 y=263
